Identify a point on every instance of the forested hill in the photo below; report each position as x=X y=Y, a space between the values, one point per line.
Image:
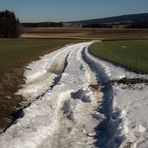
x=129 y=21
x=142 y=17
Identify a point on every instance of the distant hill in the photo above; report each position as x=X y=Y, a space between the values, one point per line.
x=133 y=19
x=142 y=17
x=126 y=21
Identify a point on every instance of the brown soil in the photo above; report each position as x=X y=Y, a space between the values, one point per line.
x=43 y=35
x=10 y=81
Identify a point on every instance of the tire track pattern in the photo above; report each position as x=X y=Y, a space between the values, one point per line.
x=106 y=130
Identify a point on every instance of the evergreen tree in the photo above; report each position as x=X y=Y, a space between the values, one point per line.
x=9 y=25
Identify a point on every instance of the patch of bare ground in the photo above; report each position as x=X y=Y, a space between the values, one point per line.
x=61 y=35
x=10 y=81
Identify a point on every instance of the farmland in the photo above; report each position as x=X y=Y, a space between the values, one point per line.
x=64 y=91
x=130 y=54
x=126 y=47
x=15 y=54
x=85 y=33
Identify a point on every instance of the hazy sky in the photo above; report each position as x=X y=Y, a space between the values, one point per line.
x=68 y=10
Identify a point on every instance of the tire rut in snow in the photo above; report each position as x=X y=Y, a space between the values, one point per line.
x=80 y=94
x=106 y=130
x=76 y=121
x=58 y=78
x=73 y=132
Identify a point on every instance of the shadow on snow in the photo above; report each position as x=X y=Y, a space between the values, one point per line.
x=105 y=131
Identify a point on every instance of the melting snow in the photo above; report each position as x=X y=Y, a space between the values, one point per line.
x=67 y=113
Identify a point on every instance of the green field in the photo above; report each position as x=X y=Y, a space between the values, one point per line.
x=118 y=36
x=132 y=55
x=15 y=52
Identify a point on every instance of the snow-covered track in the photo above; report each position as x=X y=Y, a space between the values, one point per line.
x=62 y=116
x=68 y=106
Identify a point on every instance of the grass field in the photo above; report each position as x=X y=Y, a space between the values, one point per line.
x=15 y=52
x=119 y=35
x=130 y=54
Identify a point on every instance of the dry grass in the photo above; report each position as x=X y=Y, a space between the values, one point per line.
x=85 y=33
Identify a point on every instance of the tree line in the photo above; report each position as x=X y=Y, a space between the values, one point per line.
x=136 y=24
x=9 y=25
x=43 y=24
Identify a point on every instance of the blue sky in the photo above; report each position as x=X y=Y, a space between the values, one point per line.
x=68 y=10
